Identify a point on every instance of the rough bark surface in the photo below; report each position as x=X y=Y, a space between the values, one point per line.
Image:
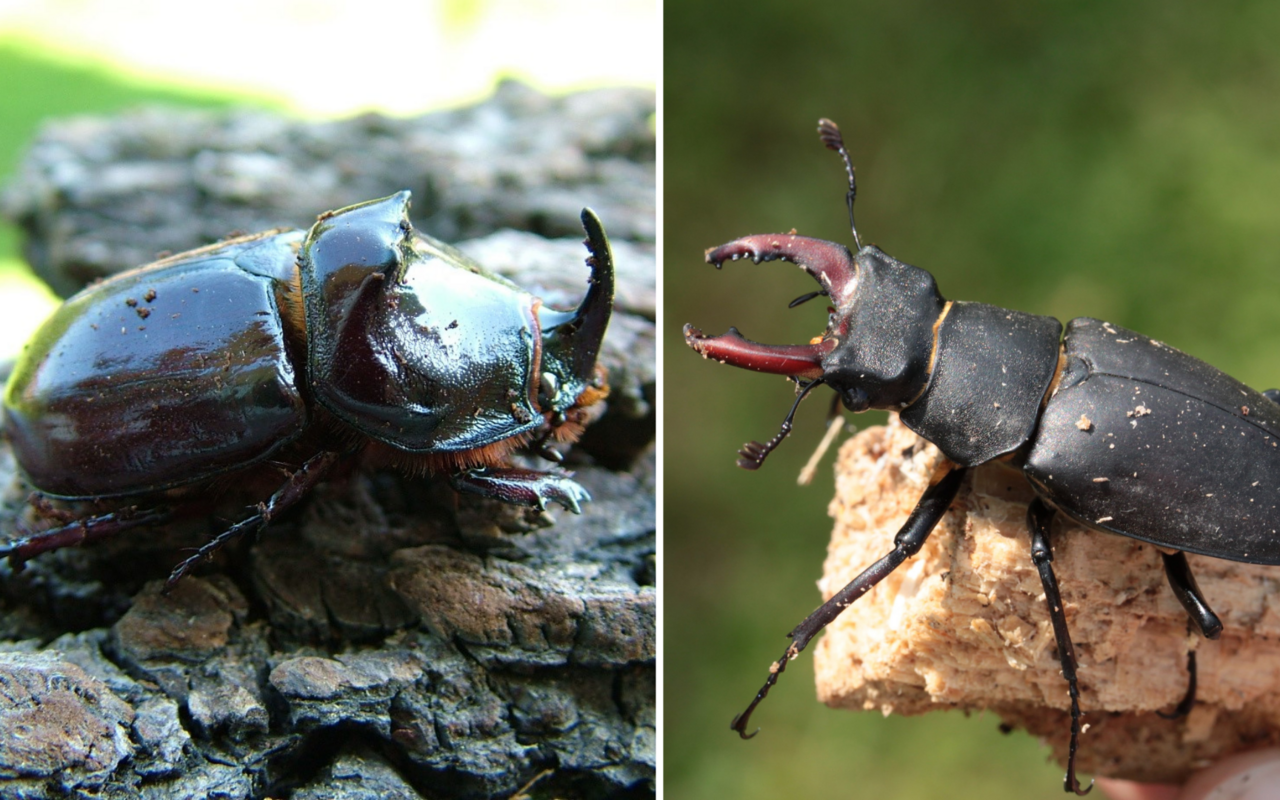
x=389 y=638
x=964 y=624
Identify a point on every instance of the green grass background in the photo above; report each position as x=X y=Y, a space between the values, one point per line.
x=37 y=86
x=1119 y=160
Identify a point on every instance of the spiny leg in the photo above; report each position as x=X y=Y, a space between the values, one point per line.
x=1188 y=593
x=88 y=529
x=1039 y=518
x=522 y=487
x=295 y=487
x=910 y=538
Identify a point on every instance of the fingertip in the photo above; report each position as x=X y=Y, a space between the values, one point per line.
x=1116 y=789
x=1245 y=776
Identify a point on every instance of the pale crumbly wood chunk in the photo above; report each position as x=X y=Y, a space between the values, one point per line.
x=964 y=624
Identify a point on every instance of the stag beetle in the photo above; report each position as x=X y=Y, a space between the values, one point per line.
x=1117 y=431
x=359 y=338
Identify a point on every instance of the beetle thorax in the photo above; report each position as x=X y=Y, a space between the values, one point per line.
x=459 y=350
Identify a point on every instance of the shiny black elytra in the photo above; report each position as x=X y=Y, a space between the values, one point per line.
x=1115 y=430
x=298 y=351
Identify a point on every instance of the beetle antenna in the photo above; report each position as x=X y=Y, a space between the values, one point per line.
x=829 y=133
x=804 y=298
x=753 y=454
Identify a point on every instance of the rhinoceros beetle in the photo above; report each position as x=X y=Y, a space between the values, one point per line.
x=1117 y=431
x=295 y=351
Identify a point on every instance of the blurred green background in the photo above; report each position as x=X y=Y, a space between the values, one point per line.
x=36 y=86
x=1084 y=158
x=306 y=58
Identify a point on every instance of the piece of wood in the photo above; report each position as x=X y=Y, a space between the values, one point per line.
x=964 y=625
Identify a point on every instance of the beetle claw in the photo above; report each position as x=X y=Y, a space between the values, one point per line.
x=522 y=487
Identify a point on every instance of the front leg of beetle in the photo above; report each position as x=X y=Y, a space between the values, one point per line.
x=910 y=538
x=522 y=487
x=1039 y=518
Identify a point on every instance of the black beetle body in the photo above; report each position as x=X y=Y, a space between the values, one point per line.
x=1189 y=454
x=359 y=337
x=1120 y=432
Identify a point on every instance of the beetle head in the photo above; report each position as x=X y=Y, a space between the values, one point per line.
x=879 y=336
x=875 y=351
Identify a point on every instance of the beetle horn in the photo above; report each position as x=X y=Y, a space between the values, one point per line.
x=794 y=360
x=593 y=314
x=572 y=339
x=831 y=264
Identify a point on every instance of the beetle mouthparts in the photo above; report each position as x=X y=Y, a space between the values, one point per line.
x=831 y=264
x=794 y=360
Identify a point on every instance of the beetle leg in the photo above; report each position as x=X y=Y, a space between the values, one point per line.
x=1039 y=518
x=522 y=487
x=1188 y=699
x=88 y=529
x=1188 y=593
x=910 y=538
x=46 y=508
x=295 y=487
x=540 y=447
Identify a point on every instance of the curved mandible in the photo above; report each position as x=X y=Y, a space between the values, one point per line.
x=831 y=264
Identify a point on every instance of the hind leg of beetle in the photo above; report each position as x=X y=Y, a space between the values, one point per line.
x=1188 y=700
x=1039 y=518
x=1188 y=593
x=76 y=532
x=908 y=541
x=521 y=487
x=295 y=487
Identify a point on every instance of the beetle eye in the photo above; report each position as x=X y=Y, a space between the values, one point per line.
x=548 y=388
x=855 y=399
